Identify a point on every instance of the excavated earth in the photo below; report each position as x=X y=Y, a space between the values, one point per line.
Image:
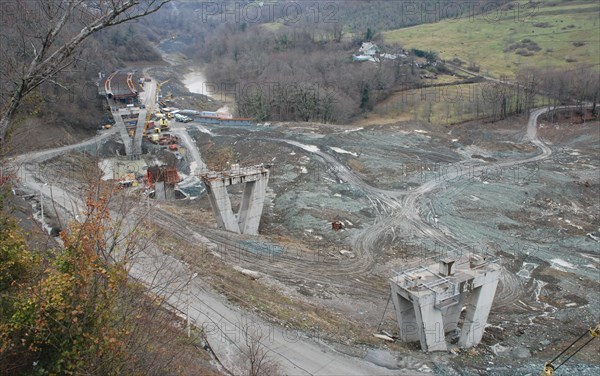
x=540 y=219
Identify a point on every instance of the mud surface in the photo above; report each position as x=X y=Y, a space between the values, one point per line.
x=409 y=191
x=540 y=218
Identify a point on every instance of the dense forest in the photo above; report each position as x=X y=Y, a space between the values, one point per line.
x=298 y=75
x=67 y=107
x=284 y=60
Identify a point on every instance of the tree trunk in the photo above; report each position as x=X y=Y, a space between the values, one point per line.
x=9 y=113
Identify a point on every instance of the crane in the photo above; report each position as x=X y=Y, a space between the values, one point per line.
x=151 y=109
x=549 y=368
x=160 y=85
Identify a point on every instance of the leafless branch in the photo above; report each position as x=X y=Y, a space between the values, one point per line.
x=53 y=57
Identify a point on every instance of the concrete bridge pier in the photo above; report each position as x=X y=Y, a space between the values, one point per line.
x=247 y=219
x=251 y=206
x=429 y=299
x=221 y=207
x=164 y=191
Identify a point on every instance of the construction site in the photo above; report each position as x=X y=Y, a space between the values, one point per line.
x=377 y=240
x=378 y=195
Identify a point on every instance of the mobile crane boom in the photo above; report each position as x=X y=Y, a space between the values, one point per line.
x=549 y=367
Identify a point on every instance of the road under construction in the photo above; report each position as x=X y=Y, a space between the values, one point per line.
x=128 y=107
x=135 y=107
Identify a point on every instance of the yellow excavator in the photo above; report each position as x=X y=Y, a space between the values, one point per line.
x=549 y=368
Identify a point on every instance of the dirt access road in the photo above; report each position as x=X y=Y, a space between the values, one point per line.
x=398 y=212
x=295 y=353
x=172 y=279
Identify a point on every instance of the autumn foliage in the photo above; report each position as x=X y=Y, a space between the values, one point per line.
x=82 y=315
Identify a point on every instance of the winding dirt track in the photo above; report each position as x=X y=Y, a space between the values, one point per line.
x=397 y=210
x=400 y=211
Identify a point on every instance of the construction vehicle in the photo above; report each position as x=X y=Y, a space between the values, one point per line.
x=159 y=86
x=164 y=123
x=182 y=118
x=168 y=139
x=549 y=367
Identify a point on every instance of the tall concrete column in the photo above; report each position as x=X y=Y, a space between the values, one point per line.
x=478 y=309
x=432 y=301
x=431 y=323
x=251 y=206
x=139 y=133
x=221 y=206
x=247 y=219
x=452 y=314
x=405 y=314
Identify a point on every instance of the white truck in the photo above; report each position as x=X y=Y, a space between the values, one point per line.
x=182 y=118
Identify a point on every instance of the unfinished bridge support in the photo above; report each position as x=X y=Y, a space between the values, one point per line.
x=120 y=89
x=164 y=179
x=429 y=299
x=247 y=219
x=221 y=207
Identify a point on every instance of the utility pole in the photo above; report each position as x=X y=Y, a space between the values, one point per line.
x=189 y=328
x=42 y=206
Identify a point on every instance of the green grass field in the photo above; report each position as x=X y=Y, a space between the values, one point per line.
x=565 y=34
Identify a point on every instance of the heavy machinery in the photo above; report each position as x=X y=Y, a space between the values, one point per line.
x=549 y=367
x=159 y=86
x=164 y=123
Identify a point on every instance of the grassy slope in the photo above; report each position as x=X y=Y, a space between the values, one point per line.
x=483 y=39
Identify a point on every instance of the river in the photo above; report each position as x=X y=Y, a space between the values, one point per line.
x=196 y=82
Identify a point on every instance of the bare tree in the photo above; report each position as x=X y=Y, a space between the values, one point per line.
x=254 y=356
x=45 y=37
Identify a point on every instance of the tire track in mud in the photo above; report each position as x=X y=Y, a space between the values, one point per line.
x=403 y=211
x=397 y=211
x=284 y=267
